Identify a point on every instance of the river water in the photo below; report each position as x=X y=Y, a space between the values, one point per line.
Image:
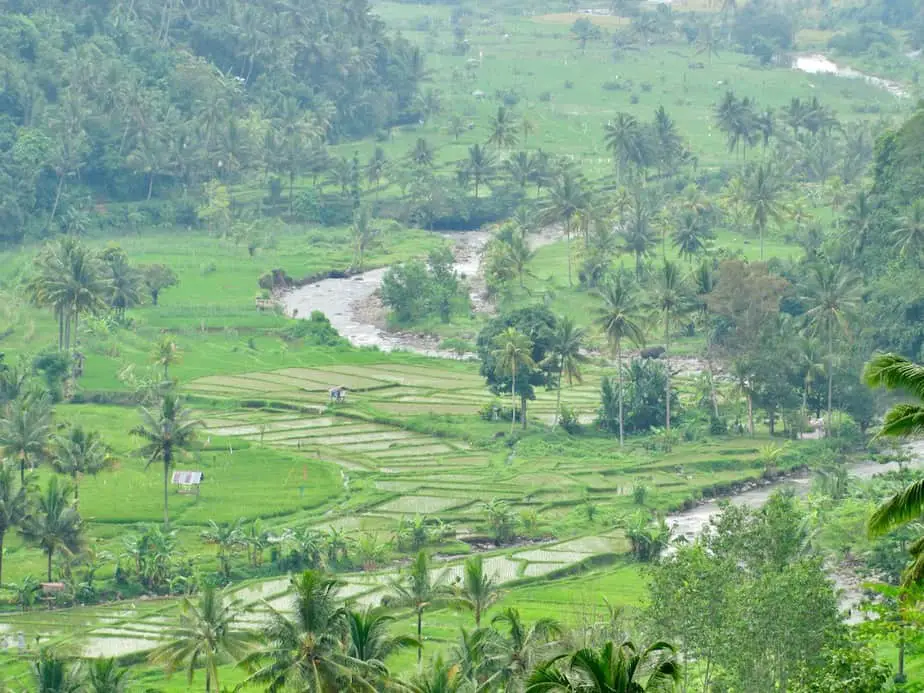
x=691 y=523
x=355 y=312
x=817 y=64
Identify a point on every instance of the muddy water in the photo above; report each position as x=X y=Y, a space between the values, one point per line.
x=817 y=64
x=690 y=523
x=355 y=312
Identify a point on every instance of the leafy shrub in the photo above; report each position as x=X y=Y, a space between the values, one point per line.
x=639 y=494
x=568 y=420
x=316 y=331
x=545 y=96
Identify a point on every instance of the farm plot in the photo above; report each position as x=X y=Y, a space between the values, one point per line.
x=419 y=505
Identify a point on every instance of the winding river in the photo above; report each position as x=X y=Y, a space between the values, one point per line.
x=817 y=64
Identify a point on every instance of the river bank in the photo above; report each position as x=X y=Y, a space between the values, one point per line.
x=354 y=309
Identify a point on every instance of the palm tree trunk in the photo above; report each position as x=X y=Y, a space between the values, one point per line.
x=54 y=207
x=750 y=414
x=208 y=680
x=49 y=552
x=619 y=387
x=561 y=368
x=419 y=636
x=828 y=428
x=150 y=184
x=523 y=411
x=568 y=243
x=166 y=478
x=667 y=391
x=513 y=398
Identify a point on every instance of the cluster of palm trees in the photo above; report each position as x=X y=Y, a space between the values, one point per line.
x=75 y=280
x=322 y=645
x=47 y=517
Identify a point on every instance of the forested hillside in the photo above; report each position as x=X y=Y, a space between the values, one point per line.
x=120 y=101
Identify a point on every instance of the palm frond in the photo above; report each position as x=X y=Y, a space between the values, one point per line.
x=903 y=420
x=895 y=372
x=903 y=507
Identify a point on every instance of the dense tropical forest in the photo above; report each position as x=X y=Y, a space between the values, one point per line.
x=473 y=345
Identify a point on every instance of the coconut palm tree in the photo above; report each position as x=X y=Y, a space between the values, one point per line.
x=369 y=639
x=51 y=674
x=670 y=299
x=513 y=353
x=859 y=221
x=618 y=318
x=566 y=198
x=420 y=589
x=208 y=634
x=637 y=234
x=14 y=504
x=520 y=169
x=689 y=237
x=105 y=676
x=479 y=168
x=764 y=190
x=479 y=589
x=517 y=253
x=614 y=669
x=25 y=429
x=78 y=453
x=167 y=431
x=522 y=644
x=895 y=372
x=54 y=523
x=565 y=355
x=166 y=353
x=503 y=129
x=624 y=139
x=440 y=677
x=810 y=363
x=832 y=294
x=126 y=283
x=228 y=537
x=909 y=234
x=305 y=651
x=72 y=280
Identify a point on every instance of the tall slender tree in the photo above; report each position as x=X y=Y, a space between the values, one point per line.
x=14 y=504
x=304 y=647
x=167 y=432
x=369 y=639
x=25 y=430
x=54 y=523
x=764 y=190
x=420 y=588
x=564 y=354
x=503 y=129
x=513 y=354
x=670 y=299
x=909 y=231
x=618 y=318
x=832 y=294
x=567 y=197
x=77 y=453
x=479 y=589
x=209 y=633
